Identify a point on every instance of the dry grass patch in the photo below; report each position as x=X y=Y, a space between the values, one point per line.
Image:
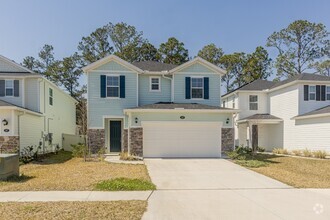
x=73 y=210
x=61 y=172
x=297 y=172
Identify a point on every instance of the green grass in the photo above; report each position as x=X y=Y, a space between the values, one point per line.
x=125 y=184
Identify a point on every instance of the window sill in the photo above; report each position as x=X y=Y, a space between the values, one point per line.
x=154 y=90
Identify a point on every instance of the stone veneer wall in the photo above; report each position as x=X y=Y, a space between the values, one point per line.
x=227 y=139
x=96 y=139
x=136 y=141
x=9 y=144
x=125 y=140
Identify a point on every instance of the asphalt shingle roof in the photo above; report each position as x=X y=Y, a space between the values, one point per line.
x=322 y=110
x=259 y=85
x=171 y=105
x=7 y=104
x=18 y=74
x=261 y=117
x=3 y=103
x=154 y=66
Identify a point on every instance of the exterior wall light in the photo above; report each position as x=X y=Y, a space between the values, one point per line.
x=4 y=122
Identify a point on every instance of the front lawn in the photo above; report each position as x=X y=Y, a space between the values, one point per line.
x=73 y=210
x=125 y=184
x=62 y=172
x=296 y=172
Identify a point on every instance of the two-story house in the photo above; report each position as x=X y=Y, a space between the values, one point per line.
x=152 y=109
x=33 y=111
x=291 y=114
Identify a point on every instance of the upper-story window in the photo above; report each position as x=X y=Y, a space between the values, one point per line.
x=224 y=104
x=155 y=83
x=9 y=85
x=51 y=96
x=234 y=103
x=253 y=102
x=197 y=87
x=328 y=92
x=312 y=92
x=112 y=86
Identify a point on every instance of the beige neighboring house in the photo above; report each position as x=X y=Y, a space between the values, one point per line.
x=291 y=114
x=33 y=110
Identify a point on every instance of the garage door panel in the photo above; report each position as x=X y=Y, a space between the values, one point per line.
x=181 y=139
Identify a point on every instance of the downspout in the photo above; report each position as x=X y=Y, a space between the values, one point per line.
x=18 y=130
x=129 y=134
x=172 y=86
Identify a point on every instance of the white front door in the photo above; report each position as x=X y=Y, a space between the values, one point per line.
x=181 y=139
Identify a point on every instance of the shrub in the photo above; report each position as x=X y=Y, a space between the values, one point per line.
x=296 y=152
x=280 y=151
x=126 y=156
x=101 y=153
x=125 y=184
x=252 y=163
x=276 y=151
x=307 y=153
x=78 y=150
x=261 y=149
x=320 y=154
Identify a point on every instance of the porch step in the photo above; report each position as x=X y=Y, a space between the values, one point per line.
x=111 y=154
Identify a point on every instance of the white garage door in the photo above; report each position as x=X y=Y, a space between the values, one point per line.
x=181 y=139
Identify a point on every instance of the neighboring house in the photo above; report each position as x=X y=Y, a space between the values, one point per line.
x=152 y=109
x=291 y=114
x=33 y=111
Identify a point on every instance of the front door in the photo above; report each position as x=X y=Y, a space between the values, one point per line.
x=254 y=137
x=115 y=136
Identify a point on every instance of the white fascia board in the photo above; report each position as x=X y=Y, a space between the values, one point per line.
x=109 y=58
x=260 y=121
x=201 y=61
x=311 y=116
x=21 y=109
x=15 y=64
x=183 y=110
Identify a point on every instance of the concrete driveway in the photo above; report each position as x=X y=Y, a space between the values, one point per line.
x=220 y=189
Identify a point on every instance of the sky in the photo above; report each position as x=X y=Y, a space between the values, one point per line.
x=235 y=26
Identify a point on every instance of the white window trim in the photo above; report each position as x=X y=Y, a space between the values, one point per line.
x=191 y=87
x=106 y=85
x=150 y=83
x=327 y=93
x=257 y=102
x=7 y=80
x=309 y=93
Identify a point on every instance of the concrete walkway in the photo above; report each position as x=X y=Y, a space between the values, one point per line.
x=55 y=196
x=219 y=189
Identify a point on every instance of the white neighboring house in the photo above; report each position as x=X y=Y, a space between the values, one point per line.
x=33 y=110
x=291 y=114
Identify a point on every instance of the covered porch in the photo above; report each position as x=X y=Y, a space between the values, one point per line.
x=261 y=130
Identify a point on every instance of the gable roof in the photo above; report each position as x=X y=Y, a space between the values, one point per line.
x=154 y=66
x=108 y=59
x=317 y=112
x=5 y=104
x=201 y=61
x=17 y=69
x=261 y=117
x=260 y=85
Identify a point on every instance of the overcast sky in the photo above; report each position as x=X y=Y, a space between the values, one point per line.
x=235 y=26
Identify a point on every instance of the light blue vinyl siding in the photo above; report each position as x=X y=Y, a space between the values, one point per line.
x=12 y=99
x=196 y=68
x=149 y=97
x=175 y=116
x=214 y=89
x=99 y=107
